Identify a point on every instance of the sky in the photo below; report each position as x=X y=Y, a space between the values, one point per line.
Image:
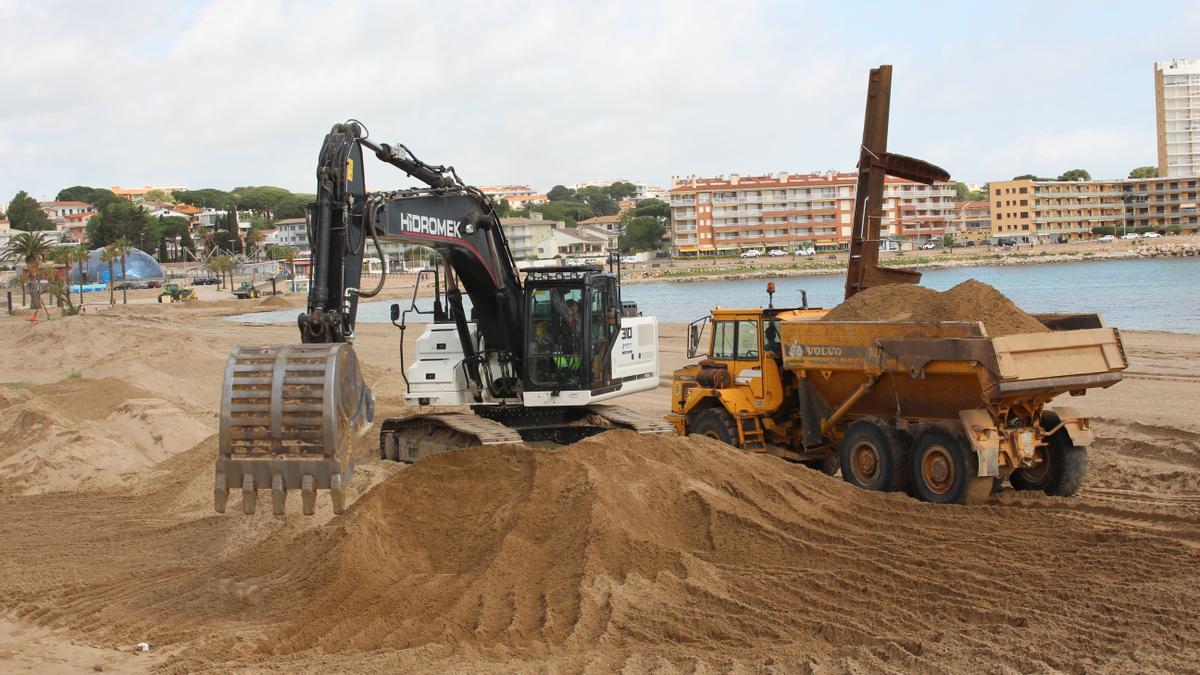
x=229 y=93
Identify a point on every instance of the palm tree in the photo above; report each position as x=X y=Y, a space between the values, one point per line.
x=80 y=256
x=205 y=236
x=224 y=264
x=32 y=248
x=123 y=249
x=109 y=256
x=289 y=254
x=253 y=237
x=60 y=291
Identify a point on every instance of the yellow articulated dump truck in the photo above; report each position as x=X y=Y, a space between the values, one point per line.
x=938 y=409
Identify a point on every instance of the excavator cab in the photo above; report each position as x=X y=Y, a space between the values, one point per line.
x=573 y=316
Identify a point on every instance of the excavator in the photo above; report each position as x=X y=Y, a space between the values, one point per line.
x=504 y=359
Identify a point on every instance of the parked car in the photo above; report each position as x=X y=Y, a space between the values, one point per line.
x=1107 y=237
x=1131 y=235
x=927 y=246
x=1151 y=235
x=776 y=253
x=752 y=253
x=806 y=251
x=629 y=259
x=205 y=281
x=1006 y=243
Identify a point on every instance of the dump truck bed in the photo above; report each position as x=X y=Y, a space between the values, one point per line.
x=935 y=370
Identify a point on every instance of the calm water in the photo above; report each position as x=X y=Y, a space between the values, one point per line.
x=1158 y=294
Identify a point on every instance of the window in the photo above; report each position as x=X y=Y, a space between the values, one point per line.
x=747 y=340
x=723 y=334
x=1024 y=214
x=735 y=340
x=1024 y=190
x=1024 y=202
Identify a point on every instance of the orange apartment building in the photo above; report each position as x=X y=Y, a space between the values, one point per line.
x=1049 y=211
x=789 y=211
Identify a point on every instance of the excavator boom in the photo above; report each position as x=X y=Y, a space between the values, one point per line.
x=874 y=163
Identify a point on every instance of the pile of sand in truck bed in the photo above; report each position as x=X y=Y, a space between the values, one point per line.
x=969 y=301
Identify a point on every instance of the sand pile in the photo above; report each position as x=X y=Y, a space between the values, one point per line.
x=87 y=433
x=276 y=302
x=969 y=301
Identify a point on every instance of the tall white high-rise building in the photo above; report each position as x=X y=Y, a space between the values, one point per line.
x=1177 y=101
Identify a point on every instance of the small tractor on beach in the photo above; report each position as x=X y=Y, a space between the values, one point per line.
x=176 y=293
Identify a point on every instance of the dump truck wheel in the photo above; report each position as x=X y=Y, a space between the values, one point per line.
x=715 y=423
x=826 y=465
x=871 y=457
x=945 y=470
x=1063 y=465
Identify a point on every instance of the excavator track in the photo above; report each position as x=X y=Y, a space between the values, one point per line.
x=411 y=438
x=289 y=414
x=629 y=419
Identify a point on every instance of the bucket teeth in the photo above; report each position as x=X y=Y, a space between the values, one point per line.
x=338 y=492
x=308 y=495
x=278 y=495
x=220 y=493
x=249 y=495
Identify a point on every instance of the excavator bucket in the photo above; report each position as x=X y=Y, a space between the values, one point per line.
x=289 y=414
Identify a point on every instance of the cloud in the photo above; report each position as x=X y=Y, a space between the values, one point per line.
x=229 y=93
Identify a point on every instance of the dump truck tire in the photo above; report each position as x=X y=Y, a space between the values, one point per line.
x=715 y=423
x=872 y=457
x=945 y=470
x=1062 y=471
x=826 y=465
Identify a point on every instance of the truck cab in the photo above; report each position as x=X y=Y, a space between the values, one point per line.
x=740 y=371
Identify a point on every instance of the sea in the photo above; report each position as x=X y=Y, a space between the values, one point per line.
x=1160 y=294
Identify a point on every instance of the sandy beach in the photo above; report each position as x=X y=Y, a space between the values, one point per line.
x=612 y=554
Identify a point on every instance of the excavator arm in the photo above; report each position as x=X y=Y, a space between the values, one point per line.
x=874 y=163
x=290 y=412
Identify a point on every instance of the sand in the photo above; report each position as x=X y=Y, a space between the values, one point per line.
x=970 y=300
x=616 y=553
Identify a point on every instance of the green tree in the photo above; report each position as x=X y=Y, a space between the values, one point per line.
x=109 y=256
x=61 y=292
x=80 y=256
x=642 y=233
x=123 y=249
x=1144 y=172
x=32 y=248
x=25 y=213
x=206 y=198
x=157 y=195
x=559 y=193
x=963 y=193
x=122 y=219
x=655 y=208
x=1075 y=175
x=621 y=190
x=83 y=193
x=597 y=200
x=1103 y=230
x=1029 y=176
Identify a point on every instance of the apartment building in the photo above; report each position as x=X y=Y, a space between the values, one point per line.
x=971 y=221
x=498 y=192
x=526 y=234
x=1049 y=211
x=732 y=213
x=138 y=194
x=1177 y=107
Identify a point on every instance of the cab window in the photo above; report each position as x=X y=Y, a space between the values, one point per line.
x=735 y=340
x=723 y=343
x=747 y=340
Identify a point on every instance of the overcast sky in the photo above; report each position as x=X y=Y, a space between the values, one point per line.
x=221 y=94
